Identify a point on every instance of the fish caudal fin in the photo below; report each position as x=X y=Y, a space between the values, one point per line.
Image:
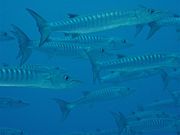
x=165 y=79
x=153 y=29
x=24 y=44
x=42 y=26
x=65 y=107
x=120 y=121
x=95 y=69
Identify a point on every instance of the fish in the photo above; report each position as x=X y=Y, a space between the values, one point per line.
x=139 y=115
x=161 y=104
x=95 y=22
x=10 y=131
x=66 y=46
x=119 y=77
x=36 y=76
x=133 y=63
x=145 y=125
x=4 y=36
x=90 y=97
x=6 y=102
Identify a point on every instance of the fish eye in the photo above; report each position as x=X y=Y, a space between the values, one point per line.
x=66 y=77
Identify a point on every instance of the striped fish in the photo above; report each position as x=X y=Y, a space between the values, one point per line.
x=67 y=46
x=36 y=76
x=134 y=63
x=104 y=94
x=96 y=22
x=146 y=125
x=11 y=131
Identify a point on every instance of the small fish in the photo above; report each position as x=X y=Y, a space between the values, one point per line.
x=10 y=131
x=12 y=103
x=144 y=125
x=36 y=76
x=139 y=115
x=4 y=36
x=133 y=63
x=95 y=23
x=118 y=77
x=94 y=96
x=161 y=104
x=66 y=46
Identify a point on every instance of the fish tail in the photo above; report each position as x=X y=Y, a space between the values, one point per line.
x=44 y=29
x=95 y=69
x=65 y=107
x=165 y=79
x=120 y=120
x=153 y=29
x=24 y=44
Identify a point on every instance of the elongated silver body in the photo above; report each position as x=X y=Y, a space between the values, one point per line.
x=105 y=94
x=96 y=22
x=68 y=46
x=36 y=76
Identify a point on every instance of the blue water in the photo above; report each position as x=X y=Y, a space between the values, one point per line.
x=43 y=116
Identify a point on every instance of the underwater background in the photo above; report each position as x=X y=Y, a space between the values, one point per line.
x=43 y=116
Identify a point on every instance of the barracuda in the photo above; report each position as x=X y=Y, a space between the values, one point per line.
x=67 y=46
x=133 y=63
x=145 y=125
x=100 y=95
x=36 y=76
x=96 y=22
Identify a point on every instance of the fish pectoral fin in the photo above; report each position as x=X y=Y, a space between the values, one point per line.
x=139 y=28
x=153 y=29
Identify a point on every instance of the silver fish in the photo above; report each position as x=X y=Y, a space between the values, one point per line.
x=144 y=125
x=133 y=63
x=94 y=96
x=96 y=22
x=66 y=46
x=118 y=77
x=36 y=76
x=12 y=103
x=4 y=36
x=10 y=131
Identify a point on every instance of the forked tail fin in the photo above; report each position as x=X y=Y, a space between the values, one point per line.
x=65 y=107
x=120 y=120
x=42 y=25
x=24 y=44
x=95 y=68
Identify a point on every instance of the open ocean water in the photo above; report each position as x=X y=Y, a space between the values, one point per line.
x=43 y=116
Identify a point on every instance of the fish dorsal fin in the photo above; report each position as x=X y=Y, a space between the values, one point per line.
x=71 y=15
x=86 y=93
x=119 y=56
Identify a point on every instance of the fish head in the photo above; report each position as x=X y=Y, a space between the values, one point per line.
x=4 y=36
x=61 y=79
